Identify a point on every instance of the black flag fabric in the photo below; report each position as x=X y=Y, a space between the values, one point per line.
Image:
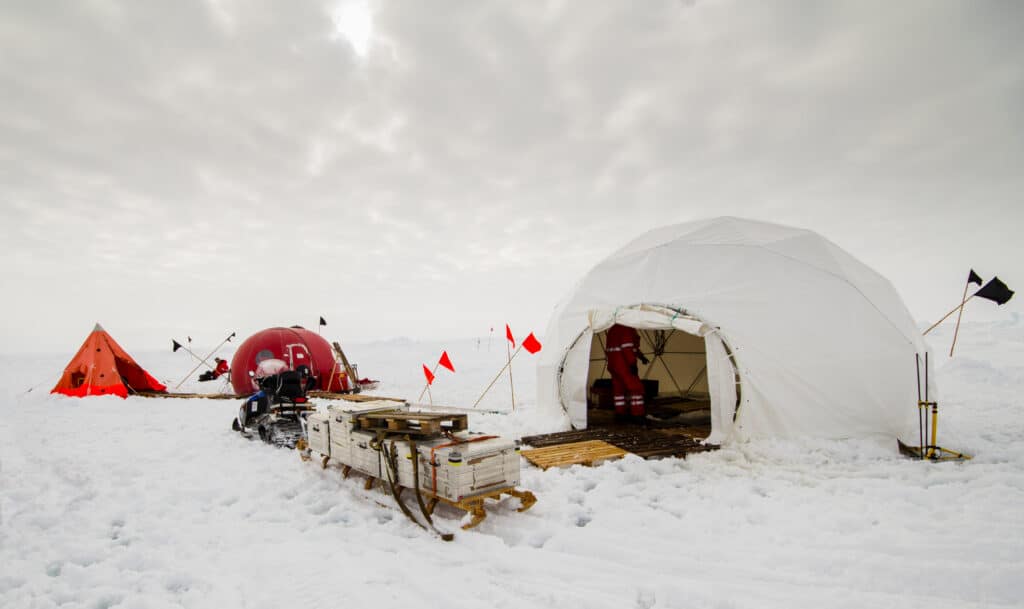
x=974 y=278
x=996 y=291
x=323 y=322
x=175 y=345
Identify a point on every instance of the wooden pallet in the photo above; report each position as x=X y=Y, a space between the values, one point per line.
x=590 y=452
x=642 y=441
x=413 y=423
x=350 y=397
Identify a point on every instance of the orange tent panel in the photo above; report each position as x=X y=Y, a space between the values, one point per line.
x=102 y=367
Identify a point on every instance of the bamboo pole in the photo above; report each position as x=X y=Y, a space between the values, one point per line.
x=498 y=376
x=197 y=358
x=349 y=370
x=426 y=387
x=215 y=349
x=963 y=301
x=944 y=317
x=511 y=385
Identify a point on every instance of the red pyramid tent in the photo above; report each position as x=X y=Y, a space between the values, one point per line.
x=102 y=367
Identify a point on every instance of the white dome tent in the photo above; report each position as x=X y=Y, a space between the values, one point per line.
x=779 y=331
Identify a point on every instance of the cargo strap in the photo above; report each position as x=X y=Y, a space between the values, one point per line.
x=391 y=469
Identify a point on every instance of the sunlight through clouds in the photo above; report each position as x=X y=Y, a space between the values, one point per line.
x=353 y=21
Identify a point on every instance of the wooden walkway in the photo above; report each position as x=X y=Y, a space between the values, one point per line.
x=646 y=442
x=349 y=397
x=189 y=396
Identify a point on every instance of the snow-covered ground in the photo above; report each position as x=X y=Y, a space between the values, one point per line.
x=154 y=503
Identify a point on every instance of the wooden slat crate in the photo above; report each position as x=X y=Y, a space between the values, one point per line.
x=415 y=423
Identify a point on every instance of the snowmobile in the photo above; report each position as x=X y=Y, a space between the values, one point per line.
x=277 y=411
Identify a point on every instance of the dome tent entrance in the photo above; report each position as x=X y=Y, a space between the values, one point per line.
x=690 y=366
x=819 y=344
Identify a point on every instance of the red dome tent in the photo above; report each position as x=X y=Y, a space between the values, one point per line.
x=296 y=346
x=102 y=367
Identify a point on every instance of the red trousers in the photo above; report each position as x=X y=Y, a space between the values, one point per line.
x=625 y=380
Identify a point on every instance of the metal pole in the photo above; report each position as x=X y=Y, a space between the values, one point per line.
x=920 y=423
x=931 y=446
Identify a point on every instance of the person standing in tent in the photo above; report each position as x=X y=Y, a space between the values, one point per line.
x=622 y=350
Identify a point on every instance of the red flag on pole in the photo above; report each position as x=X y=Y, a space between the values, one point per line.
x=531 y=344
x=427 y=373
x=445 y=361
x=508 y=335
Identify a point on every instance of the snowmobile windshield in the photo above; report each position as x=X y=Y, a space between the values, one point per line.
x=270 y=367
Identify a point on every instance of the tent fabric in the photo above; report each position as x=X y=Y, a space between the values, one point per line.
x=821 y=345
x=102 y=367
x=295 y=346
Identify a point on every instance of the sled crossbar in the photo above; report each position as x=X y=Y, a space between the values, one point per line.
x=475 y=505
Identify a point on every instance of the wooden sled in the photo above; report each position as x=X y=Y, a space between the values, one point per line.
x=472 y=505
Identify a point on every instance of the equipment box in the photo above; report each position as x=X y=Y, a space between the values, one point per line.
x=362 y=456
x=460 y=469
x=317 y=429
x=341 y=449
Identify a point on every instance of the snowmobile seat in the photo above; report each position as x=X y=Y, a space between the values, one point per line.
x=307 y=375
x=292 y=385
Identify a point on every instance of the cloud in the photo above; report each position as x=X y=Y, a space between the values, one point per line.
x=231 y=164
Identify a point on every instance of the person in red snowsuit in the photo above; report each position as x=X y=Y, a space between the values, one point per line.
x=622 y=349
x=221 y=368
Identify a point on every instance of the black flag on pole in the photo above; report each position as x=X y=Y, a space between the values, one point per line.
x=323 y=322
x=996 y=291
x=175 y=345
x=974 y=278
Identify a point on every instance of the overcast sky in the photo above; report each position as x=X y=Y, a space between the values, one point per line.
x=432 y=169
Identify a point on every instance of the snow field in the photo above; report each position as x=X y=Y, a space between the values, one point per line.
x=154 y=503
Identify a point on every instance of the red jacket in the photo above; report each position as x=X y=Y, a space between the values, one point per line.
x=623 y=340
x=222 y=367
